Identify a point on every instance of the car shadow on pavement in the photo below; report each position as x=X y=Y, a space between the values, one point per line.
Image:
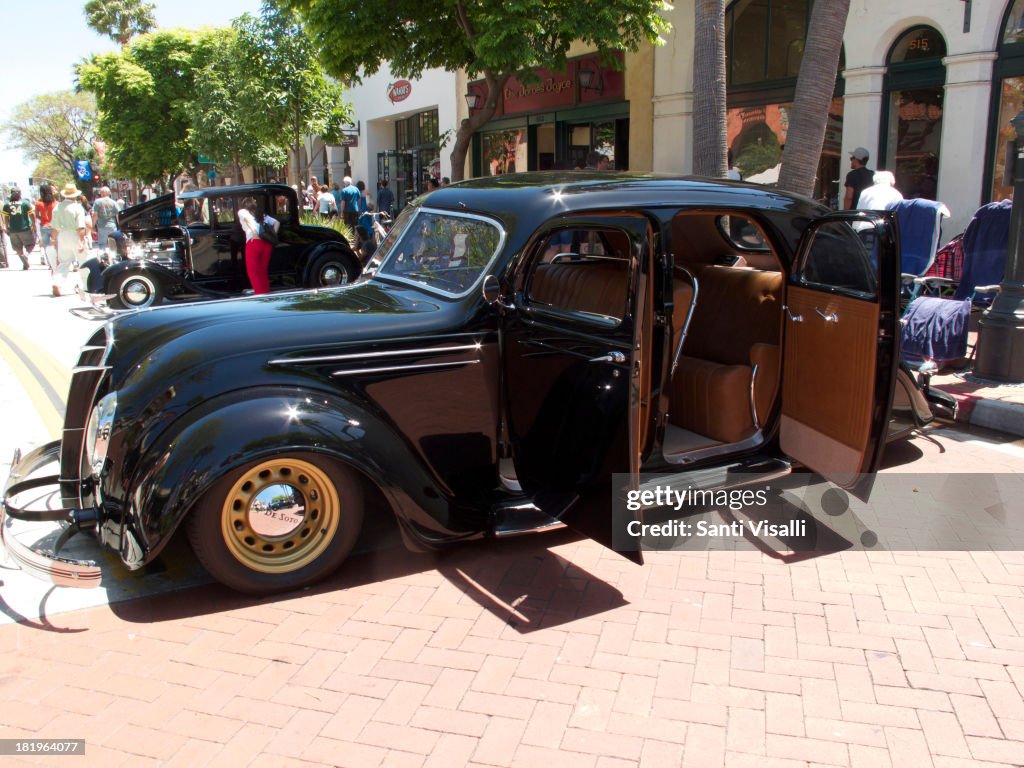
x=520 y=581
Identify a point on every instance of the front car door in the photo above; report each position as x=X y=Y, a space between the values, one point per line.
x=218 y=253
x=575 y=344
x=840 y=346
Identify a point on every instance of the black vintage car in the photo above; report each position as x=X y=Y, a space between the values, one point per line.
x=194 y=248
x=515 y=343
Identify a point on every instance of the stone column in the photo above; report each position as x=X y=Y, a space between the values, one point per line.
x=862 y=116
x=965 y=134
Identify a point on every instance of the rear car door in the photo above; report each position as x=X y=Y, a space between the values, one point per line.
x=840 y=350
x=574 y=346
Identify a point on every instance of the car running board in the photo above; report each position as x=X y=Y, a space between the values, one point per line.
x=721 y=478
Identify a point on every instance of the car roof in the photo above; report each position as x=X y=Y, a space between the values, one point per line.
x=550 y=192
x=240 y=189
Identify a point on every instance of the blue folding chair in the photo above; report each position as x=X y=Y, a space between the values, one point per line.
x=935 y=324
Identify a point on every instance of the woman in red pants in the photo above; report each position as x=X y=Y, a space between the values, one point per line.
x=253 y=219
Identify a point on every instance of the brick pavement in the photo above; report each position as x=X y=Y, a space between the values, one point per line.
x=547 y=650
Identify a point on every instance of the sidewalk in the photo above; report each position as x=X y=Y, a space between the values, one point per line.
x=984 y=403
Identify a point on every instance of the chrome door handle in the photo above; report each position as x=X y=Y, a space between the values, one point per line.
x=794 y=318
x=831 y=317
x=611 y=357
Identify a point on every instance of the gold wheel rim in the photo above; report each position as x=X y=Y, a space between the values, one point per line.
x=308 y=533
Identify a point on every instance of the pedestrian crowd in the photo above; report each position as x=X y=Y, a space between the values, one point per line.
x=61 y=224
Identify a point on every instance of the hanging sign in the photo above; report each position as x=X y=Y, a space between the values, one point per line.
x=83 y=169
x=399 y=91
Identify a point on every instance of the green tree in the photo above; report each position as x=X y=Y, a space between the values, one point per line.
x=54 y=128
x=288 y=91
x=53 y=172
x=145 y=98
x=492 y=39
x=120 y=20
x=709 y=115
x=224 y=102
x=814 y=88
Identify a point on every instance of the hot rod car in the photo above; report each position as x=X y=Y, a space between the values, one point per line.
x=171 y=251
x=515 y=342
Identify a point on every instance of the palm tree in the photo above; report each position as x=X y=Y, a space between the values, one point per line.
x=814 y=88
x=709 y=118
x=120 y=20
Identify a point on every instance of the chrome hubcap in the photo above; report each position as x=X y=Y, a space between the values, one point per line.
x=137 y=291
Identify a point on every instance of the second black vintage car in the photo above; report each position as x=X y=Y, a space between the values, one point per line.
x=193 y=247
x=518 y=352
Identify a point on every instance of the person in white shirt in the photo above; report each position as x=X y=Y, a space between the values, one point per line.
x=326 y=205
x=257 y=250
x=882 y=194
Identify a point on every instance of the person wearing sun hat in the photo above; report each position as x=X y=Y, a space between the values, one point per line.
x=69 y=223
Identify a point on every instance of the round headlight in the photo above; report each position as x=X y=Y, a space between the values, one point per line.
x=97 y=434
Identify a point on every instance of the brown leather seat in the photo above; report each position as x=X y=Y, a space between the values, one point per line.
x=596 y=286
x=735 y=326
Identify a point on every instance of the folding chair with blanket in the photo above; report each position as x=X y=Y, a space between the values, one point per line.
x=935 y=328
x=920 y=225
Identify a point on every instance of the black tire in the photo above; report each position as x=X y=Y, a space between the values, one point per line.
x=333 y=268
x=249 y=545
x=135 y=290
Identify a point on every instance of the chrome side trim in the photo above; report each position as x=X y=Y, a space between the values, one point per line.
x=372 y=355
x=88 y=368
x=689 y=316
x=753 y=402
x=417 y=366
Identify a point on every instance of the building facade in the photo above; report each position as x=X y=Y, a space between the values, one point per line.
x=403 y=130
x=928 y=88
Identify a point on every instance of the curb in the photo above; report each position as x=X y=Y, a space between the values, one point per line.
x=1005 y=416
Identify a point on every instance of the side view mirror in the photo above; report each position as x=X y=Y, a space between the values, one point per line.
x=492 y=292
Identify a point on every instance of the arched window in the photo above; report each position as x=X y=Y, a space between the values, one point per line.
x=912 y=120
x=1007 y=96
x=764 y=42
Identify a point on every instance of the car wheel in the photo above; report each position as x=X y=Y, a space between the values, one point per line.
x=332 y=268
x=277 y=524
x=135 y=291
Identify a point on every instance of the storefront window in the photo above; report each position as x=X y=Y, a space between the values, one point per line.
x=504 y=151
x=1009 y=90
x=914 y=93
x=765 y=39
x=1013 y=32
x=756 y=137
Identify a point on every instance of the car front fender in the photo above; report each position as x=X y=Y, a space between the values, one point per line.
x=228 y=432
x=159 y=272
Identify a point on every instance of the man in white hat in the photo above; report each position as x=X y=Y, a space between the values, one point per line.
x=69 y=224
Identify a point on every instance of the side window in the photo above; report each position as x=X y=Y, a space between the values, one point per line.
x=196 y=211
x=842 y=256
x=224 y=208
x=582 y=271
x=281 y=209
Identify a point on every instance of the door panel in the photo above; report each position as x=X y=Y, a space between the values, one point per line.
x=839 y=356
x=573 y=368
x=828 y=415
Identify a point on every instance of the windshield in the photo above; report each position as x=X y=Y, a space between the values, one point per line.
x=444 y=251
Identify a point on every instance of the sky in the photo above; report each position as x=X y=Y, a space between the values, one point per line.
x=44 y=40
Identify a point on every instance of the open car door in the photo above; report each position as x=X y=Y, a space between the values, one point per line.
x=840 y=346
x=575 y=342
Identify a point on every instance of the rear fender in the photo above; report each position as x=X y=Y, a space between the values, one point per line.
x=306 y=267
x=230 y=431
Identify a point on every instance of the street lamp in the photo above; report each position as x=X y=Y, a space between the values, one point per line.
x=472 y=100
x=587 y=79
x=1000 y=353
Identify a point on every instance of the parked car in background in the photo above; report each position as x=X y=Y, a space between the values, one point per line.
x=194 y=248
x=516 y=344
